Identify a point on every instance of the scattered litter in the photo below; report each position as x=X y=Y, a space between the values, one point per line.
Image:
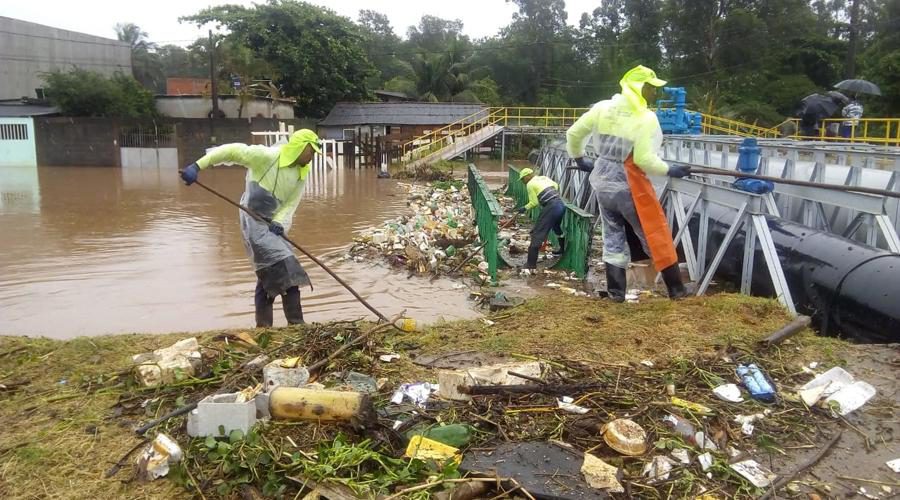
x=682 y=455
x=657 y=469
x=220 y=414
x=625 y=436
x=451 y=380
x=842 y=392
x=406 y=324
x=894 y=464
x=754 y=472
x=756 y=382
x=704 y=442
x=729 y=392
x=862 y=491
x=361 y=382
x=813 y=365
x=422 y=448
x=647 y=363
x=747 y=421
x=319 y=405
x=694 y=407
x=601 y=475
x=418 y=393
x=154 y=461
x=681 y=427
x=488 y=322
x=388 y=358
x=285 y=372
x=632 y=298
x=166 y=365
x=455 y=435
x=566 y=403
x=705 y=460
x=553 y=285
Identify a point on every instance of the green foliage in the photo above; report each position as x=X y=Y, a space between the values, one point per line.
x=85 y=93
x=319 y=56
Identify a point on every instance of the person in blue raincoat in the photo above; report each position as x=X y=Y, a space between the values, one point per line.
x=276 y=177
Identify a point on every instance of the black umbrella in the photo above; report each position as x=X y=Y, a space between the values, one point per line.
x=816 y=107
x=857 y=86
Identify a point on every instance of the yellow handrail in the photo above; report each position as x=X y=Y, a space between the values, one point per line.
x=865 y=130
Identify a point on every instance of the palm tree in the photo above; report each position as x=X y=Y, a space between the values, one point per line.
x=146 y=66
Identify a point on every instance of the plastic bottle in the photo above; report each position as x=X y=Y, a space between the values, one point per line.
x=756 y=383
x=681 y=427
x=406 y=324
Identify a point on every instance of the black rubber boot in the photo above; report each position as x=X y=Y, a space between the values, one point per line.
x=672 y=278
x=293 y=310
x=263 y=304
x=615 y=283
x=533 y=250
x=562 y=246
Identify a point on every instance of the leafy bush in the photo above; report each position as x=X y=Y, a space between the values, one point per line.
x=86 y=93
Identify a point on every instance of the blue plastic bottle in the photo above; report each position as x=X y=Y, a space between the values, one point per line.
x=756 y=383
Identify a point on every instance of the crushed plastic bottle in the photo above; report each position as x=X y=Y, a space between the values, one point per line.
x=681 y=427
x=756 y=382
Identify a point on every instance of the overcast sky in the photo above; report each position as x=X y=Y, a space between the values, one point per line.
x=159 y=18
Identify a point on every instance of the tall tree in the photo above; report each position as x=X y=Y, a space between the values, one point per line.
x=318 y=55
x=145 y=63
x=383 y=48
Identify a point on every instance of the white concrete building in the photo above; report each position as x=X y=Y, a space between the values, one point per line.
x=29 y=49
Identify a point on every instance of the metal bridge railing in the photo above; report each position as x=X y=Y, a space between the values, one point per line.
x=716 y=125
x=487 y=216
x=884 y=131
x=505 y=116
x=577 y=226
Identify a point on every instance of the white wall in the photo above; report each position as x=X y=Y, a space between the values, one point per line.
x=29 y=49
x=200 y=107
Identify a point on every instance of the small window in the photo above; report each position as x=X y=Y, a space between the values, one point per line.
x=349 y=134
x=13 y=132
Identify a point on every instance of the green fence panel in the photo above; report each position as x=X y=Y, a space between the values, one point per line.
x=487 y=217
x=577 y=226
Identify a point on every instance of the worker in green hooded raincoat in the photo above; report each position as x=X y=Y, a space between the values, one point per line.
x=626 y=139
x=276 y=177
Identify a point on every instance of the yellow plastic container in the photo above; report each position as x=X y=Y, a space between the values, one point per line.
x=406 y=324
x=694 y=407
x=422 y=448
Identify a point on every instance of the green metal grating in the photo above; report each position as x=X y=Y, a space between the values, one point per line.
x=577 y=227
x=487 y=217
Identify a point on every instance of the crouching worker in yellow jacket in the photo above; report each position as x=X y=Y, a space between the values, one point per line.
x=276 y=177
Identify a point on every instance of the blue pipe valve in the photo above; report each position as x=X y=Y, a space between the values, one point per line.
x=748 y=163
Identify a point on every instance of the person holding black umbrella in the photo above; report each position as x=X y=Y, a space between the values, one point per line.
x=853 y=112
x=817 y=107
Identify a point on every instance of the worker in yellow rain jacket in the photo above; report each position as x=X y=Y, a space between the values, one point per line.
x=626 y=138
x=542 y=191
x=276 y=177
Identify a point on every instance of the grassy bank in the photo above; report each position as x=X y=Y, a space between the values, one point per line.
x=69 y=407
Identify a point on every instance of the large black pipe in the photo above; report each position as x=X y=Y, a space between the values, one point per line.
x=850 y=289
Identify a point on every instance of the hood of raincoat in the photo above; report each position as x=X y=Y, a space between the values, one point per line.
x=633 y=82
x=299 y=139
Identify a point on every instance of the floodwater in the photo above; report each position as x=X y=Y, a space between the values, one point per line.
x=91 y=251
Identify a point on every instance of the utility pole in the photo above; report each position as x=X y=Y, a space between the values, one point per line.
x=212 y=76
x=850 y=66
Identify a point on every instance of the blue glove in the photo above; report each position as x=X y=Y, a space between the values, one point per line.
x=276 y=228
x=190 y=173
x=679 y=171
x=584 y=164
x=520 y=210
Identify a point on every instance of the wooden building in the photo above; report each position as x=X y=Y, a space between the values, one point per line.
x=396 y=122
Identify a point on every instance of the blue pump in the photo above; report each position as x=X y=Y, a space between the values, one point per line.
x=748 y=163
x=676 y=119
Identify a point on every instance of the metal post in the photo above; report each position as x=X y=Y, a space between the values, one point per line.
x=503 y=149
x=212 y=76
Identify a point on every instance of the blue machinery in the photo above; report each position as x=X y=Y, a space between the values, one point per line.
x=676 y=119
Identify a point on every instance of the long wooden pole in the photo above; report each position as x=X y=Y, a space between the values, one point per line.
x=312 y=257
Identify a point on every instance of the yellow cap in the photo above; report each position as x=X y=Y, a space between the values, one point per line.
x=299 y=139
x=525 y=172
x=642 y=74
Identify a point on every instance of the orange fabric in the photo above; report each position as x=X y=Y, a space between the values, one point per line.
x=653 y=220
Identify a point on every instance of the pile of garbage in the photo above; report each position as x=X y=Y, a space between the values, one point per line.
x=333 y=411
x=431 y=237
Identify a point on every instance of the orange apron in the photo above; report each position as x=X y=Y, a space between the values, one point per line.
x=653 y=220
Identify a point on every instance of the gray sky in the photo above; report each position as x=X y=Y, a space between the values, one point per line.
x=159 y=18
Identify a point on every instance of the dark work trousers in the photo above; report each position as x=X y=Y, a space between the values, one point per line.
x=551 y=218
x=290 y=302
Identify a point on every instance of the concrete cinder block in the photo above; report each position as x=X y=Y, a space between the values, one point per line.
x=221 y=410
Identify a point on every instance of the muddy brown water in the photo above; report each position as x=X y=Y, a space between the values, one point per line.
x=91 y=251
